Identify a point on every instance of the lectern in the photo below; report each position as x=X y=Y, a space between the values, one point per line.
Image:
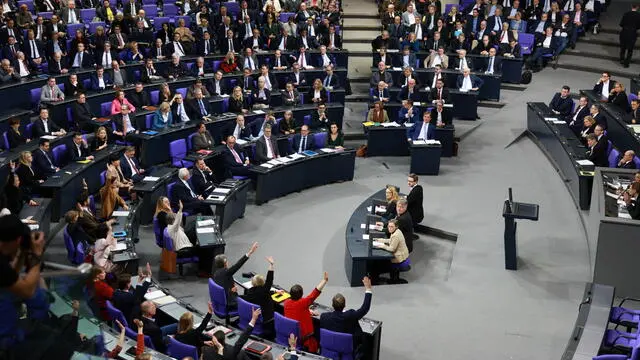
x=510 y=212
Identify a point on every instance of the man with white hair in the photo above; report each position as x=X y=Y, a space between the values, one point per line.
x=182 y=192
x=467 y=82
x=626 y=162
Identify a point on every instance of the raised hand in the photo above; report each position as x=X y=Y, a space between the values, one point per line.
x=255 y=314
x=269 y=260
x=210 y=308
x=253 y=248
x=120 y=325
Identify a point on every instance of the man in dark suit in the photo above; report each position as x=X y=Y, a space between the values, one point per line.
x=284 y=42
x=78 y=150
x=576 y=119
x=467 y=81
x=106 y=56
x=128 y=300
x=290 y=95
x=330 y=79
x=408 y=113
x=176 y=69
x=266 y=147
x=45 y=126
x=100 y=81
x=405 y=223
x=441 y=115
x=439 y=92
x=43 y=166
x=152 y=330
x=238 y=129
x=234 y=160
x=598 y=116
x=34 y=48
x=493 y=64
x=348 y=321
x=58 y=64
x=183 y=192
x=629 y=23
x=604 y=85
x=235 y=351
x=206 y=45
x=199 y=108
x=223 y=274
x=229 y=43
x=148 y=73
x=634 y=116
x=82 y=113
x=10 y=30
x=597 y=152
x=202 y=178
x=414 y=200
x=130 y=166
x=513 y=50
x=297 y=78
x=626 y=160
x=247 y=80
x=303 y=141
x=81 y=58
x=255 y=42
x=409 y=92
x=139 y=98
x=561 y=104
x=10 y=51
x=217 y=86
x=423 y=130
x=131 y=8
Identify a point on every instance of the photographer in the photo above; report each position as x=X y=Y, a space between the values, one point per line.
x=18 y=249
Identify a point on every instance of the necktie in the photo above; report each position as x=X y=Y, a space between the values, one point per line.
x=269 y=150
x=490 y=69
x=203 y=111
x=189 y=187
x=34 y=50
x=206 y=47
x=59 y=67
x=440 y=94
x=133 y=166
x=120 y=41
x=327 y=81
x=13 y=50
x=251 y=64
x=79 y=151
x=48 y=159
x=231 y=45
x=235 y=156
x=291 y=95
x=278 y=62
x=46 y=126
x=247 y=32
x=133 y=8
x=53 y=96
x=246 y=83
x=303 y=144
x=180 y=47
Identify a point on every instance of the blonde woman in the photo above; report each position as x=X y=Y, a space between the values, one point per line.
x=391 y=196
x=100 y=140
x=162 y=117
x=237 y=102
x=186 y=334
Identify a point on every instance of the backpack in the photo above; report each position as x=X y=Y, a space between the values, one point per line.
x=526 y=77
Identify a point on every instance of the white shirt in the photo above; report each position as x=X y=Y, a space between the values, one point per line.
x=236 y=131
x=546 y=43
x=325 y=60
x=269 y=150
x=72 y=16
x=436 y=61
x=491 y=63
x=189 y=187
x=181 y=113
x=423 y=131
x=34 y=49
x=412 y=18
x=106 y=59
x=605 y=89
x=316 y=94
x=127 y=121
x=177 y=49
x=23 y=69
x=467 y=84
x=101 y=84
x=267 y=83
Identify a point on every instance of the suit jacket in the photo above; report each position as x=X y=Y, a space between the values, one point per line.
x=126 y=169
x=229 y=352
x=634 y=209
x=193 y=109
x=152 y=330
x=414 y=132
x=38 y=129
x=600 y=119
x=87 y=60
x=129 y=301
x=46 y=94
x=376 y=77
x=290 y=43
x=414 y=204
x=620 y=100
x=230 y=129
x=598 y=154
x=516 y=51
x=72 y=152
x=224 y=278
x=579 y=118
x=100 y=54
x=300 y=81
x=64 y=15
x=403 y=115
x=248 y=43
x=376 y=94
x=229 y=160
x=561 y=105
x=127 y=8
x=95 y=84
x=224 y=45
x=399 y=60
x=311 y=93
x=200 y=142
x=447 y=117
x=491 y=22
x=180 y=192
x=176 y=71
x=455 y=63
x=243 y=62
x=476 y=82
x=28 y=178
x=429 y=61
x=200 y=47
x=261 y=296
x=8 y=54
x=200 y=181
x=284 y=61
x=54 y=69
x=15 y=139
x=434 y=95
x=288 y=100
x=628 y=165
x=261 y=149
x=41 y=165
x=347 y=321
x=309 y=145
x=30 y=54
x=405 y=225
x=404 y=94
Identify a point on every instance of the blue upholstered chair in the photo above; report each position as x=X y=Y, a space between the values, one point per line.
x=219 y=301
x=335 y=345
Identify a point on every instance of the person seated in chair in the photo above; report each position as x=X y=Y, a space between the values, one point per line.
x=597 y=152
x=202 y=178
x=405 y=223
x=152 y=330
x=631 y=200
x=348 y=321
x=234 y=159
x=626 y=160
x=220 y=348
x=396 y=245
x=127 y=299
x=303 y=141
x=561 y=103
x=130 y=166
x=266 y=146
x=469 y=82
x=223 y=274
x=260 y=294
x=43 y=166
x=183 y=192
x=78 y=150
x=422 y=130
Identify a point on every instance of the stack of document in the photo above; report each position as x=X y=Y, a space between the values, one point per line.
x=120 y=213
x=267 y=165
x=164 y=300
x=207 y=222
x=390 y=124
x=377 y=243
x=368 y=123
x=151 y=178
x=408 y=125
x=33 y=227
x=296 y=156
x=259 y=112
x=221 y=190
x=216 y=197
x=241 y=141
x=328 y=150
x=155 y=294
x=121 y=246
x=584 y=162
x=635 y=128
x=371 y=226
x=273 y=162
x=283 y=160
x=551 y=119
x=205 y=230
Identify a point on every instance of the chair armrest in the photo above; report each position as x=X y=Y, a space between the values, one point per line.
x=610 y=357
x=628 y=298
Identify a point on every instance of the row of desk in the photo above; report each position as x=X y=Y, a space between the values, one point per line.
x=18 y=94
x=490 y=89
x=465 y=105
x=619 y=132
x=511 y=67
x=561 y=146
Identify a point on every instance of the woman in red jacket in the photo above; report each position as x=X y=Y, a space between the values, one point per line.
x=100 y=290
x=297 y=308
x=229 y=64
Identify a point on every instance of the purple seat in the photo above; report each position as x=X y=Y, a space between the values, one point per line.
x=157 y=232
x=245 y=312
x=178 y=151
x=105 y=109
x=180 y=260
x=183 y=91
x=613 y=158
x=335 y=345
x=301 y=98
x=27 y=130
x=619 y=338
x=625 y=317
x=87 y=14
x=46 y=15
x=150 y=10
x=285 y=326
x=72 y=28
x=609 y=146
x=636 y=160
x=170 y=10
x=72 y=255
x=284 y=16
x=320 y=139
x=35 y=96
x=116 y=314
x=178 y=350
x=155 y=97
x=157 y=23
x=307 y=120
x=403 y=266
x=632 y=97
x=190 y=141
x=448 y=7
x=80 y=252
x=86 y=83
x=216 y=64
x=526 y=42
x=28 y=3
x=225 y=104
x=219 y=301
x=70 y=117
x=59 y=154
x=103 y=177
x=148 y=121
x=94 y=25
x=232 y=8
x=5 y=137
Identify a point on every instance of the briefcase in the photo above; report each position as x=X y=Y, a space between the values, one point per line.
x=168 y=261
x=362 y=151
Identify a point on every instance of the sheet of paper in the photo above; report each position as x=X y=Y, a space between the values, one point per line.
x=636 y=128
x=363 y=226
x=215 y=197
x=120 y=213
x=416 y=103
x=296 y=156
x=432 y=142
x=267 y=165
x=151 y=178
x=397 y=68
x=408 y=125
x=164 y=300
x=368 y=208
x=612 y=195
x=121 y=246
x=390 y=124
x=203 y=223
x=48 y=137
x=558 y=122
x=151 y=295
x=205 y=230
x=241 y=141
x=221 y=190
x=624 y=215
x=259 y=112
x=365 y=236
x=419 y=142
x=381 y=209
x=224 y=95
x=551 y=118
x=328 y=150
x=34 y=227
x=584 y=162
x=377 y=243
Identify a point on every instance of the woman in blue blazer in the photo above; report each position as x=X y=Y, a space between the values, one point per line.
x=162 y=117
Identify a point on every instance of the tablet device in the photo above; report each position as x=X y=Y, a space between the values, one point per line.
x=257 y=348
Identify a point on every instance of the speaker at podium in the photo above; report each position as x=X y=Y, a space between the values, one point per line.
x=510 y=212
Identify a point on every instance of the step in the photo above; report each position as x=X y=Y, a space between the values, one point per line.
x=360 y=36
x=364 y=9
x=595 y=65
x=356 y=15
x=598 y=55
x=354 y=28
x=606 y=39
x=358 y=47
x=361 y=22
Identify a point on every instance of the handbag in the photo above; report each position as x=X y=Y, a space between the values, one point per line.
x=168 y=261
